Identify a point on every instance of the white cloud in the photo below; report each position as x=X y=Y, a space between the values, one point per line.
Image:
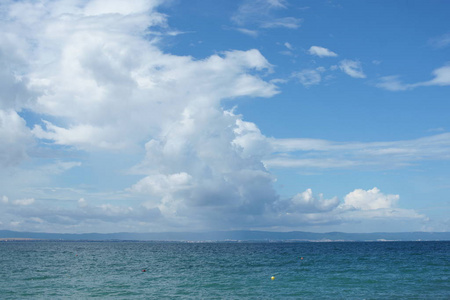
x=111 y=86
x=82 y=203
x=352 y=68
x=289 y=46
x=370 y=199
x=288 y=50
x=287 y=53
x=316 y=153
x=17 y=202
x=23 y=202
x=251 y=11
x=359 y=206
x=309 y=77
x=321 y=52
x=159 y=184
x=253 y=33
x=441 y=41
x=261 y=14
x=37 y=220
x=99 y=81
x=13 y=86
x=393 y=83
x=208 y=165
x=306 y=202
x=249 y=140
x=83 y=136
x=441 y=77
x=35 y=179
x=438 y=129
x=59 y=167
x=112 y=210
x=102 y=84
x=321 y=163
x=15 y=139
x=277 y=3
x=102 y=217
x=362 y=205
x=102 y=7
x=287 y=22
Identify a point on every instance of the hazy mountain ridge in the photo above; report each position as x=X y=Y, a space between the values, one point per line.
x=234 y=236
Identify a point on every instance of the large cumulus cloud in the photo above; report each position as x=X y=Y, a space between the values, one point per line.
x=102 y=83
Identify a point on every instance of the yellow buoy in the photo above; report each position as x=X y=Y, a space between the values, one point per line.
x=273 y=277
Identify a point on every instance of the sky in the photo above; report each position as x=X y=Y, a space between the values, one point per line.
x=153 y=116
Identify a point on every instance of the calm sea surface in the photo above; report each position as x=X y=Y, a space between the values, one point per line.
x=114 y=270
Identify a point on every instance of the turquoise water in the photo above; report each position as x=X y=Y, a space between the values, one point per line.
x=114 y=270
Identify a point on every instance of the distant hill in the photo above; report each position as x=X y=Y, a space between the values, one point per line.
x=234 y=236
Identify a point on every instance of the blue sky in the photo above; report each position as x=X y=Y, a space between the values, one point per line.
x=201 y=115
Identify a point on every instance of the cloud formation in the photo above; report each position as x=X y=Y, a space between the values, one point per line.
x=252 y=33
x=316 y=153
x=23 y=202
x=370 y=199
x=393 y=83
x=109 y=88
x=352 y=68
x=106 y=86
x=15 y=138
x=321 y=52
x=306 y=202
x=441 y=42
x=261 y=13
x=358 y=206
x=95 y=79
x=309 y=77
x=209 y=161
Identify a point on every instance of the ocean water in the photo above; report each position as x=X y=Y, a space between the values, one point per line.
x=114 y=270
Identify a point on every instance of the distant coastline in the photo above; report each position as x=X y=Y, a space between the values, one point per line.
x=17 y=239
x=230 y=236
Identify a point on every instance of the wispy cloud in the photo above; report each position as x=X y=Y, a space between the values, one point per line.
x=441 y=41
x=352 y=68
x=17 y=202
x=314 y=153
x=393 y=83
x=255 y=11
x=261 y=13
x=23 y=202
x=287 y=22
x=289 y=51
x=321 y=52
x=253 y=33
x=438 y=129
x=309 y=77
x=289 y=46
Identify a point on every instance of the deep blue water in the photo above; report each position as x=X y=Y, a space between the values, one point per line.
x=113 y=270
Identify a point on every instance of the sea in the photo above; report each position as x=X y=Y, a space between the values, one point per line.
x=224 y=270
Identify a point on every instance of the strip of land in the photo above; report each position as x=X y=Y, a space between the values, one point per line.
x=293 y=236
